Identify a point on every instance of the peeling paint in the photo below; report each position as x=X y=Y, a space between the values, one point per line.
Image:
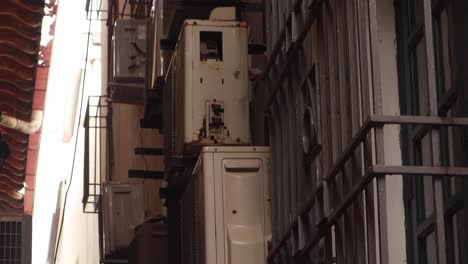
x=48 y=21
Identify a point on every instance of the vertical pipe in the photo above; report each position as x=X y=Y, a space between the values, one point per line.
x=96 y=144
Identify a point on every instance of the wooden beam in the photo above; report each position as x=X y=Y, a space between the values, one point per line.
x=158 y=175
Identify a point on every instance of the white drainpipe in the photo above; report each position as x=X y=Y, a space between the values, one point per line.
x=23 y=126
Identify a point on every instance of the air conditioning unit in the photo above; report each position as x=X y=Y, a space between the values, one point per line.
x=122 y=211
x=225 y=210
x=206 y=87
x=129 y=50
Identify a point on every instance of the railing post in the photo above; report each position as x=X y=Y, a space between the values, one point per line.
x=379 y=133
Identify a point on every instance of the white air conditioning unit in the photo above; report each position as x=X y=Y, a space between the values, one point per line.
x=206 y=87
x=122 y=211
x=129 y=50
x=225 y=210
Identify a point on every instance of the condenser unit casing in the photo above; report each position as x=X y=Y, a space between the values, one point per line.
x=225 y=210
x=206 y=87
x=122 y=211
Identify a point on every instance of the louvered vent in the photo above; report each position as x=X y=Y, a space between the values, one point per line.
x=10 y=242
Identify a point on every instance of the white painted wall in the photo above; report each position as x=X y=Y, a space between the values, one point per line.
x=79 y=243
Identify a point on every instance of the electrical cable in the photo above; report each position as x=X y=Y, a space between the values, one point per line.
x=62 y=217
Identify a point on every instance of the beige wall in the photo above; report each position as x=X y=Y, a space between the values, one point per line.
x=127 y=137
x=391 y=106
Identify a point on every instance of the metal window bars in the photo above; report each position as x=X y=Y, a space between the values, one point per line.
x=447 y=48
x=96 y=9
x=329 y=203
x=97 y=153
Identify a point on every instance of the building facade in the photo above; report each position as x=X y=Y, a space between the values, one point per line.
x=365 y=113
x=363 y=105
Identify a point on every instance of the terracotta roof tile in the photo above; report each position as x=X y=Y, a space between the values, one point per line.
x=20 y=31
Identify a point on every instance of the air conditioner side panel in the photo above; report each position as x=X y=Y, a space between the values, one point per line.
x=182 y=84
x=123 y=208
x=209 y=196
x=189 y=89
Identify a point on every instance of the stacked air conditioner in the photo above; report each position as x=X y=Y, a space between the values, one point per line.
x=122 y=211
x=130 y=56
x=129 y=50
x=225 y=209
x=206 y=87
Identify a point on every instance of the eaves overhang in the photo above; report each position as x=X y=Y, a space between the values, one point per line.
x=24 y=70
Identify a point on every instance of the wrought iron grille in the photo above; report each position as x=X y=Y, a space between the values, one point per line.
x=327 y=132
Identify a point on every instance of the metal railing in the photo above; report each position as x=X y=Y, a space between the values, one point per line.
x=97 y=9
x=97 y=153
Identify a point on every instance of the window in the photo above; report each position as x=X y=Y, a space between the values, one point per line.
x=416 y=146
